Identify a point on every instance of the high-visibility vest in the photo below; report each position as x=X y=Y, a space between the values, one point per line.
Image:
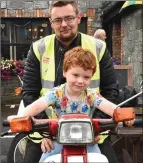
x=44 y=51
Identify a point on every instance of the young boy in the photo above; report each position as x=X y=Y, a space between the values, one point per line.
x=74 y=96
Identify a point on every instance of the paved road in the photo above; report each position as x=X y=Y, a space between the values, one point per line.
x=5 y=142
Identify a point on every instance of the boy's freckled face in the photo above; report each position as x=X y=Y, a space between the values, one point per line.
x=78 y=79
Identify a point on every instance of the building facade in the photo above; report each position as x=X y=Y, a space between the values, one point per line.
x=124 y=27
x=24 y=22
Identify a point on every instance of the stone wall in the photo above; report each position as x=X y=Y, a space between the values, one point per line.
x=7 y=91
x=39 y=9
x=133 y=44
x=16 y=8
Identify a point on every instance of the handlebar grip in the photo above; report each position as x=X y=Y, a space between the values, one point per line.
x=5 y=123
x=107 y=124
x=40 y=125
x=138 y=122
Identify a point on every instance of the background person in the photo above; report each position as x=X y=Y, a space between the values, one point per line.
x=100 y=34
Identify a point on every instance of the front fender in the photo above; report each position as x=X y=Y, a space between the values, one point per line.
x=91 y=157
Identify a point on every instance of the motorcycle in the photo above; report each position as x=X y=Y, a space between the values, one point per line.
x=73 y=131
x=18 y=146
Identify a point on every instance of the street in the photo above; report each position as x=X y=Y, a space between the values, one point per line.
x=5 y=142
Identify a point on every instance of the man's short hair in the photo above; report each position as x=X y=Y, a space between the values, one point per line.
x=63 y=3
x=79 y=57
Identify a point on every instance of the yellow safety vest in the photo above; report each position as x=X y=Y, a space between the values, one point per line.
x=44 y=51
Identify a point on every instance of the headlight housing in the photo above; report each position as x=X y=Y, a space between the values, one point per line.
x=77 y=131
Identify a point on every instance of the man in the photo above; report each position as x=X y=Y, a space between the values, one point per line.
x=43 y=68
x=100 y=34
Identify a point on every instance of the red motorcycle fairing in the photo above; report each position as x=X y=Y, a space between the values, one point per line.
x=74 y=151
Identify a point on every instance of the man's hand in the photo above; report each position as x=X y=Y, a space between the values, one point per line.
x=130 y=123
x=46 y=145
x=97 y=138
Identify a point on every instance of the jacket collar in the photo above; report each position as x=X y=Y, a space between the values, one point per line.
x=75 y=42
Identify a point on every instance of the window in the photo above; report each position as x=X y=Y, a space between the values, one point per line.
x=18 y=34
x=83 y=25
x=5 y=32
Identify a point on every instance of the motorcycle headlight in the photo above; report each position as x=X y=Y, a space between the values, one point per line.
x=75 y=132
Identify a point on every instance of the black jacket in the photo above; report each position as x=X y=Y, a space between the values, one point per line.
x=32 y=80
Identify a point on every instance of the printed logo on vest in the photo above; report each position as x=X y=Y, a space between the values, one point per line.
x=46 y=60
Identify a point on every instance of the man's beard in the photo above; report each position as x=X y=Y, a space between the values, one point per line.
x=67 y=39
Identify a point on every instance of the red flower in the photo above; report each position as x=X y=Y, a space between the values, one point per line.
x=8 y=65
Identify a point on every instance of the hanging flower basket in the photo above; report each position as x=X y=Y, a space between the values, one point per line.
x=8 y=65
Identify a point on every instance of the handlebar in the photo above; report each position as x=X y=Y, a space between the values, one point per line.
x=5 y=123
x=35 y=125
x=138 y=122
x=101 y=124
x=29 y=124
x=107 y=124
x=49 y=124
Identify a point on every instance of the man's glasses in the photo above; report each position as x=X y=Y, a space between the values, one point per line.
x=67 y=19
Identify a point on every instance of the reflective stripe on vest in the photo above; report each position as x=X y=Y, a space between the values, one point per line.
x=44 y=51
x=97 y=47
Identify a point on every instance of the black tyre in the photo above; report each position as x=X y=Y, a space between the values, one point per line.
x=17 y=148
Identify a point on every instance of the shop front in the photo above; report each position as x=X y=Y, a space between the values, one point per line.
x=17 y=34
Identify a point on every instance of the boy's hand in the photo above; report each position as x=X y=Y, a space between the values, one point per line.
x=46 y=145
x=9 y=118
x=130 y=123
